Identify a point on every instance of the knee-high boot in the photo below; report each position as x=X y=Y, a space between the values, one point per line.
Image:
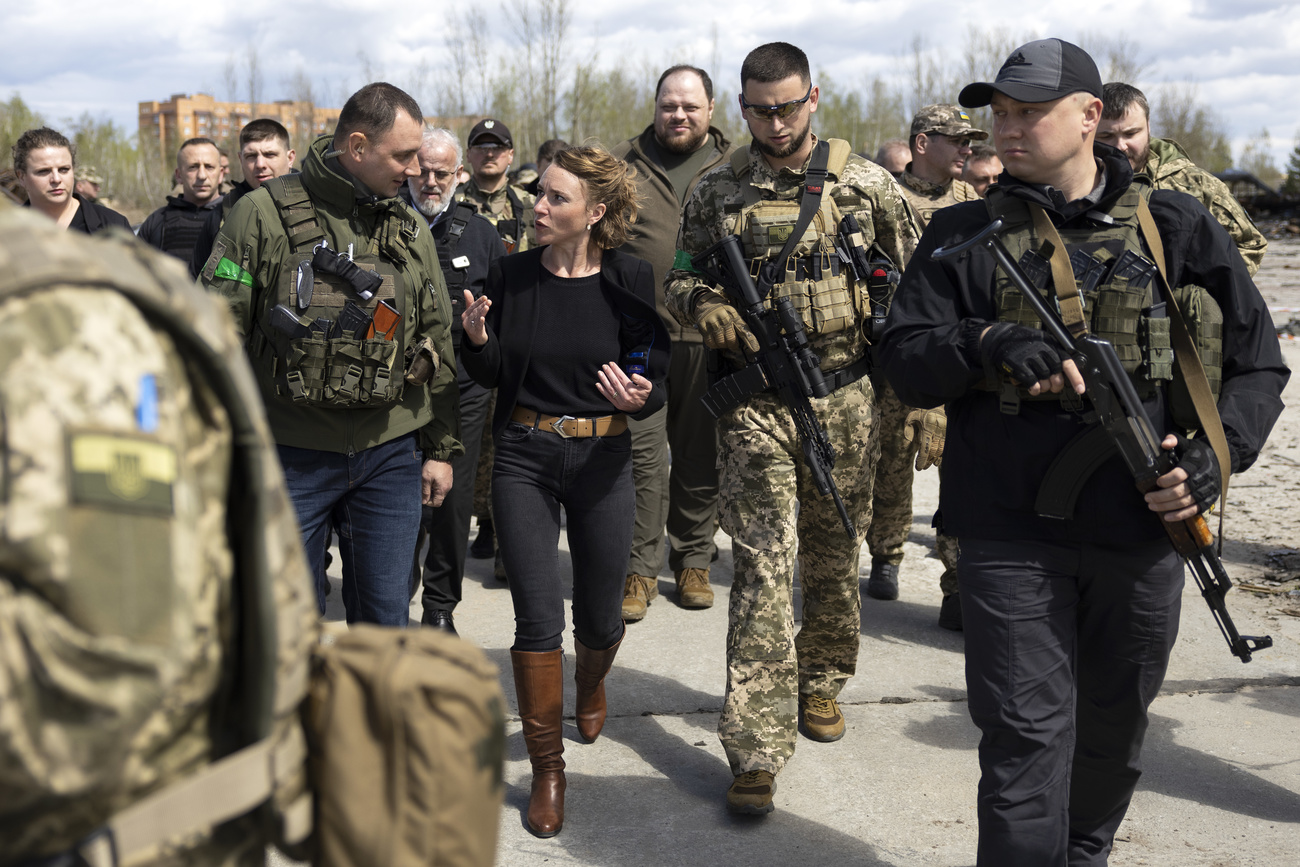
x=592 y=667
x=539 y=687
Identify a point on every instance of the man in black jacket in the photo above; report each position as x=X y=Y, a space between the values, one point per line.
x=1069 y=623
x=175 y=227
x=467 y=245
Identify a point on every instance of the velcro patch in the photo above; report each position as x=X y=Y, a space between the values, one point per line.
x=122 y=471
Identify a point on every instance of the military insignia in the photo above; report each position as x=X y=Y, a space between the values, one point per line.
x=964 y=116
x=121 y=471
x=488 y=124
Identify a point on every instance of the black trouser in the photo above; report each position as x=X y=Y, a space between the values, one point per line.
x=1066 y=648
x=536 y=473
x=447 y=527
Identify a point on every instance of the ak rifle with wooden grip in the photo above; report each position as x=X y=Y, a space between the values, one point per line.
x=785 y=363
x=1120 y=413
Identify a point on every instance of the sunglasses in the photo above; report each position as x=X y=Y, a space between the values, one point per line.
x=783 y=110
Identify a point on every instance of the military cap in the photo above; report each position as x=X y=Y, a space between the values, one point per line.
x=90 y=174
x=945 y=120
x=490 y=128
x=1038 y=71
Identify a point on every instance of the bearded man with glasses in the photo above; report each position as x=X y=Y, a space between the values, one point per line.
x=768 y=502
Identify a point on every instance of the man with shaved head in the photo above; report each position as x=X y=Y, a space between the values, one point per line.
x=175 y=227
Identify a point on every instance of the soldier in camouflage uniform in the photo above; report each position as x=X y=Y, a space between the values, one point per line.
x=118 y=554
x=940 y=142
x=1126 y=124
x=767 y=502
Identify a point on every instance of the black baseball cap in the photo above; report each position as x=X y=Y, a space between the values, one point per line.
x=1038 y=71
x=490 y=128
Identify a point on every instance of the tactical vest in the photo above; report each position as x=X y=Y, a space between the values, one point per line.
x=1124 y=308
x=180 y=231
x=328 y=368
x=817 y=282
x=455 y=268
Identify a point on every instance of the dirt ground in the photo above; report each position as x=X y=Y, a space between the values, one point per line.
x=1261 y=539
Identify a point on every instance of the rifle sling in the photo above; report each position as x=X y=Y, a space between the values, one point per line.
x=1068 y=298
x=813 y=186
x=1189 y=362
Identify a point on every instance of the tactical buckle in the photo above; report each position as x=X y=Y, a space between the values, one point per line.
x=558 y=425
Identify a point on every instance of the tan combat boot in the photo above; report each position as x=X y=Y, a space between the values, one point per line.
x=821 y=718
x=751 y=793
x=638 y=593
x=693 y=590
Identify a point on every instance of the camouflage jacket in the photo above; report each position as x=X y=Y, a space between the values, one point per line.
x=1170 y=168
x=120 y=546
x=926 y=197
x=871 y=194
x=516 y=230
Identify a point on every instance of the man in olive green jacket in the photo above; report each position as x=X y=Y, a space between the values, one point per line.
x=356 y=371
x=670 y=157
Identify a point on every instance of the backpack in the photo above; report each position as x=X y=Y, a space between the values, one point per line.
x=235 y=759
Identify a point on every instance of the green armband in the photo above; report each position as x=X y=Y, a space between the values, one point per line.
x=682 y=262
x=228 y=270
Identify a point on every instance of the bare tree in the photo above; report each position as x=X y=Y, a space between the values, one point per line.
x=1177 y=113
x=254 y=67
x=1257 y=158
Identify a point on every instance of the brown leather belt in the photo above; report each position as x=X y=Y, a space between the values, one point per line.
x=568 y=426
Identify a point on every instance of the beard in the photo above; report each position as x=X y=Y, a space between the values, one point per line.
x=796 y=141
x=431 y=208
x=684 y=144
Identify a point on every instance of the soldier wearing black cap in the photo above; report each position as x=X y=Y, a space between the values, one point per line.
x=1069 y=622
x=509 y=208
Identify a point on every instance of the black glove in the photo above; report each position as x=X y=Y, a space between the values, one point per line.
x=1197 y=459
x=1025 y=354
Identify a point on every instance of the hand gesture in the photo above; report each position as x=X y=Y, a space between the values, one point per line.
x=627 y=395
x=474 y=319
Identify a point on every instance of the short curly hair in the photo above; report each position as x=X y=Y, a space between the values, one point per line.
x=610 y=181
x=35 y=139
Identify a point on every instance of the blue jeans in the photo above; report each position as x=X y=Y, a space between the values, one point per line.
x=537 y=472
x=373 y=499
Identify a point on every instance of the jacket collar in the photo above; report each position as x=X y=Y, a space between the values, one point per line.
x=1118 y=176
x=329 y=182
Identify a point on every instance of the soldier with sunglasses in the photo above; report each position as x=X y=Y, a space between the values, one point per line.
x=768 y=502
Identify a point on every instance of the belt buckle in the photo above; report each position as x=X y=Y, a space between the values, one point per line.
x=558 y=425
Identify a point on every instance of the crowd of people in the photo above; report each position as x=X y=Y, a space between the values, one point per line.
x=435 y=343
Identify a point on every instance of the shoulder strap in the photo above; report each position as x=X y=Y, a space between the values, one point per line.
x=814 y=185
x=1068 y=297
x=740 y=163
x=838 y=158
x=516 y=208
x=1189 y=361
x=296 y=210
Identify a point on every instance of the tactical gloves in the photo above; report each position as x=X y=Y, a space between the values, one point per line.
x=723 y=327
x=1025 y=354
x=926 y=429
x=1196 y=458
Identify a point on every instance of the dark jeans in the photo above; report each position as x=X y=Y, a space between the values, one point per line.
x=447 y=527
x=536 y=473
x=1066 y=648
x=373 y=499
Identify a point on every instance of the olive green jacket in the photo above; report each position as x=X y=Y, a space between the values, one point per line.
x=253 y=238
x=659 y=217
x=1170 y=168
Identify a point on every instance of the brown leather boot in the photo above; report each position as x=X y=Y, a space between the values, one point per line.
x=592 y=667
x=539 y=688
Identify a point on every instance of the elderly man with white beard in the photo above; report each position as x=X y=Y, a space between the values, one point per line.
x=467 y=245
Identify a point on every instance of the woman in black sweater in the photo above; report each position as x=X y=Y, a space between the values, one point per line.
x=568 y=335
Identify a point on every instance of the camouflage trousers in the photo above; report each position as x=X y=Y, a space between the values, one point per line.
x=773 y=513
x=947 y=548
x=891 y=498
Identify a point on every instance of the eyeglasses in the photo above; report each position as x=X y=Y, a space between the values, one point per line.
x=782 y=110
x=956 y=141
x=440 y=177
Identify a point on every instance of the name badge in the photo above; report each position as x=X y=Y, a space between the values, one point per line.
x=460 y=262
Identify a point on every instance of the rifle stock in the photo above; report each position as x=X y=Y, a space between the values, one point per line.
x=1119 y=411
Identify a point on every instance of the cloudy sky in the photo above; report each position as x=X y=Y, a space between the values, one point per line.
x=67 y=57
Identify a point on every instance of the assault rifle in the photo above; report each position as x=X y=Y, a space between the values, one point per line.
x=784 y=362
x=1120 y=413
